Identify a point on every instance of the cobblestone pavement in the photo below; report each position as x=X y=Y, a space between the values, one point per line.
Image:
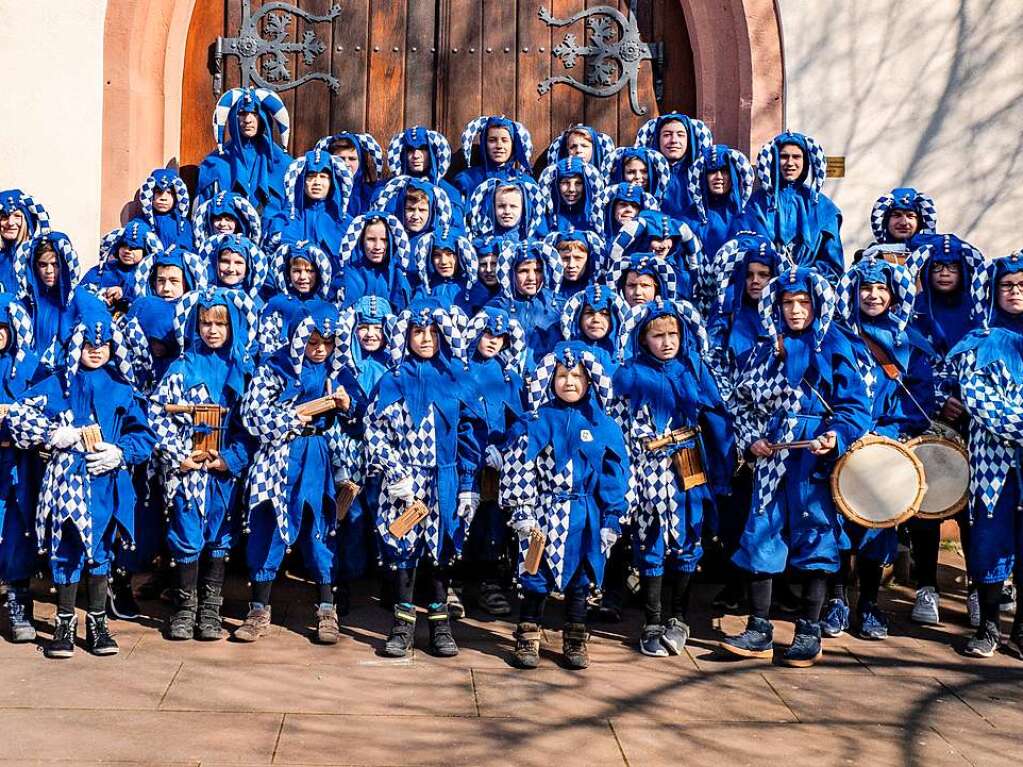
x=913 y=699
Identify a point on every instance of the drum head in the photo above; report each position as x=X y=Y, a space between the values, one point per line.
x=947 y=473
x=878 y=482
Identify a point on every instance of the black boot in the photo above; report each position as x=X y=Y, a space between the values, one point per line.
x=573 y=645
x=18 y=607
x=527 y=645
x=441 y=642
x=403 y=632
x=209 y=626
x=97 y=635
x=63 y=643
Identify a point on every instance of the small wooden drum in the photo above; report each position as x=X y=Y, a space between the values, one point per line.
x=878 y=482
x=947 y=471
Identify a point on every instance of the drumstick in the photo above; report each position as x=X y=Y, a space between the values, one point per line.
x=794 y=445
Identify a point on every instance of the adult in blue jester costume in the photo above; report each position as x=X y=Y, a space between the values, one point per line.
x=584 y=143
x=419 y=152
x=666 y=386
x=47 y=269
x=225 y=213
x=681 y=140
x=20 y=471
x=165 y=206
x=121 y=251
x=594 y=317
x=87 y=498
x=429 y=449
x=652 y=231
x=876 y=303
x=789 y=208
x=565 y=475
x=570 y=187
x=446 y=269
x=202 y=487
x=375 y=257
x=291 y=494
x=251 y=127
x=509 y=208
x=301 y=274
x=530 y=276
x=990 y=372
x=420 y=205
x=21 y=219
x=504 y=152
x=618 y=204
x=317 y=191
x=902 y=214
x=803 y=383
x=495 y=347
x=582 y=259
x=364 y=342
x=364 y=159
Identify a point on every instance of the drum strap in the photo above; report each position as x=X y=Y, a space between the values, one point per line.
x=891 y=370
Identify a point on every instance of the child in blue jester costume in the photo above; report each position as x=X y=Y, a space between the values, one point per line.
x=47 y=269
x=251 y=127
x=681 y=140
x=642 y=277
x=640 y=165
x=225 y=213
x=902 y=214
x=364 y=158
x=291 y=493
x=803 y=383
x=570 y=187
x=876 y=303
x=720 y=185
x=166 y=204
x=237 y=264
x=666 y=386
x=565 y=474
x=582 y=259
x=446 y=269
x=21 y=219
x=421 y=207
x=594 y=318
x=201 y=486
x=120 y=253
x=652 y=231
x=789 y=208
x=495 y=347
x=584 y=143
x=302 y=274
x=428 y=448
x=504 y=152
x=988 y=362
x=375 y=256
x=487 y=287
x=616 y=205
x=87 y=498
x=425 y=154
x=530 y=277
x=509 y=208
x=20 y=471
x=317 y=191
x=364 y=341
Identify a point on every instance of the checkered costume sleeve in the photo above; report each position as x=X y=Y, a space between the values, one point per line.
x=28 y=423
x=173 y=432
x=382 y=440
x=620 y=412
x=750 y=420
x=993 y=400
x=261 y=413
x=517 y=489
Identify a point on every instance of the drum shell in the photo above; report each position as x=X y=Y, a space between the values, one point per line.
x=939 y=481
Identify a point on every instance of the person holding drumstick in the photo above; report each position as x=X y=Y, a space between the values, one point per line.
x=803 y=385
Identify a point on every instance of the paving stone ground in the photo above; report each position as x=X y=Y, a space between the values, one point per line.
x=913 y=699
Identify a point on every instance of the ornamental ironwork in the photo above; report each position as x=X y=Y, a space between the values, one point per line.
x=613 y=55
x=263 y=54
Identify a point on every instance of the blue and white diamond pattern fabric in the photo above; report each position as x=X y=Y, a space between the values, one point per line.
x=174 y=435
x=439 y=144
x=477 y=124
x=656 y=485
x=294 y=175
x=247 y=214
x=262 y=97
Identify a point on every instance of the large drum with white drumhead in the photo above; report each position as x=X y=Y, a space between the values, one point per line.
x=878 y=482
x=946 y=472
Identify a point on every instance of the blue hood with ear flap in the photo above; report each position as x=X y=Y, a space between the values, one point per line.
x=371 y=167
x=686 y=256
x=481 y=216
x=419 y=137
x=797 y=347
x=599 y=298
x=479 y=166
x=595 y=257
x=603 y=147
x=903 y=198
x=1000 y=338
x=649 y=264
x=561 y=215
x=366 y=367
x=392 y=197
x=712 y=216
x=172 y=227
x=360 y=277
x=657 y=169
x=255 y=259
x=676 y=199
x=604 y=222
x=226 y=204
x=218 y=369
x=289 y=252
x=945 y=318
x=37 y=221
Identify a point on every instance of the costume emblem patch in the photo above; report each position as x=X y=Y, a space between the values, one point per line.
x=585 y=435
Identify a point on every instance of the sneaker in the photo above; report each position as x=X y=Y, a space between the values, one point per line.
x=872 y=623
x=925 y=609
x=327 y=629
x=805 y=649
x=98 y=640
x=836 y=618
x=256 y=625
x=456 y=610
x=757 y=641
x=650 y=641
x=676 y=634
x=973 y=608
x=121 y=600
x=18 y=606
x=984 y=643
x=1007 y=602
x=63 y=643
x=493 y=600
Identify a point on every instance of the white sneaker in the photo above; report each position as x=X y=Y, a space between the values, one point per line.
x=973 y=608
x=925 y=610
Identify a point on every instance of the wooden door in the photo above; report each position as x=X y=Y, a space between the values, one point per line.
x=440 y=63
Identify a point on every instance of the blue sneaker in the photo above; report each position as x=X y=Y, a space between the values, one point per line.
x=806 y=645
x=757 y=641
x=836 y=618
x=873 y=624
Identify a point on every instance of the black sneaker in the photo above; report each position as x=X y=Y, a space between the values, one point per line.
x=757 y=641
x=985 y=642
x=97 y=635
x=121 y=600
x=403 y=631
x=650 y=641
x=63 y=643
x=805 y=649
x=676 y=634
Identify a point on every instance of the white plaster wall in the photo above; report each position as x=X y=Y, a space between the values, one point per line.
x=51 y=53
x=923 y=93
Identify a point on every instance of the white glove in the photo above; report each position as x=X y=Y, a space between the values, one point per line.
x=468 y=501
x=401 y=490
x=494 y=458
x=608 y=538
x=64 y=437
x=523 y=526
x=106 y=458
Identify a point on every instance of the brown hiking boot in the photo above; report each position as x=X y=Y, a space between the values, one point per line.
x=527 y=645
x=256 y=625
x=573 y=645
x=327 y=629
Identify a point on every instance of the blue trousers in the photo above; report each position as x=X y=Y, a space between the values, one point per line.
x=189 y=534
x=265 y=549
x=18 y=547
x=69 y=561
